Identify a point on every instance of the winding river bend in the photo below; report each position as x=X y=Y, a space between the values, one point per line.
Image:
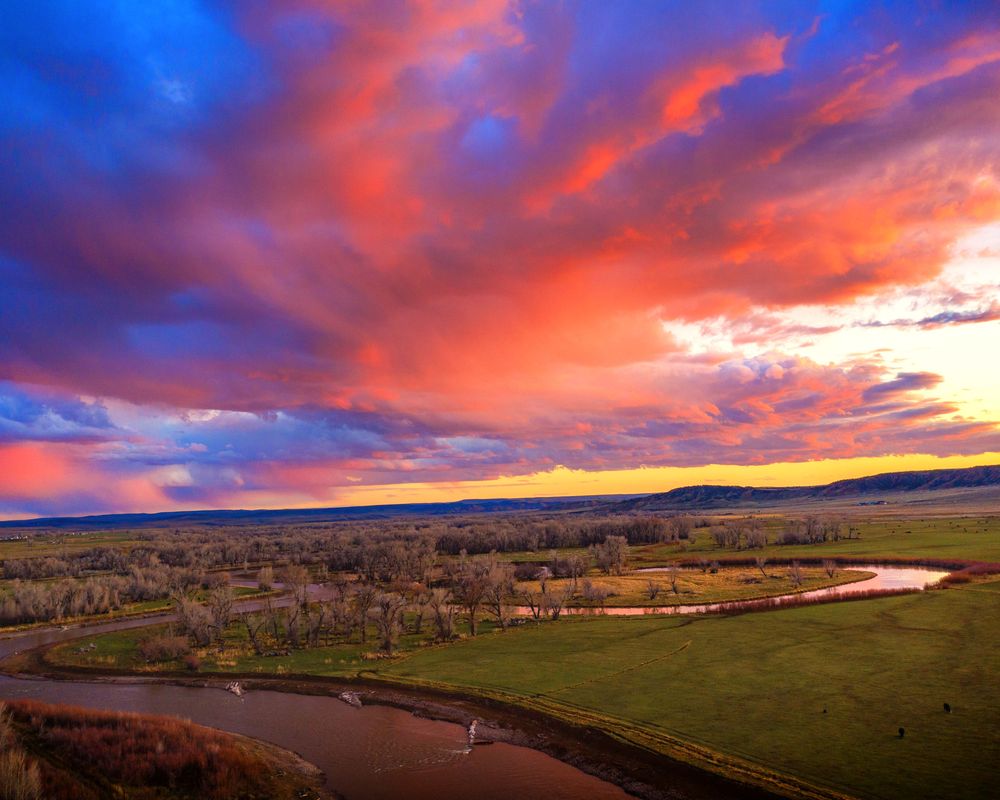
x=373 y=752
x=885 y=578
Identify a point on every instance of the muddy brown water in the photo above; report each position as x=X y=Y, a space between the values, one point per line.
x=369 y=753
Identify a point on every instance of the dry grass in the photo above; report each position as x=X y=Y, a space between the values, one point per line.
x=82 y=753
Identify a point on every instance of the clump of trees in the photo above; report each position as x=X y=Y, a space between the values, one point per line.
x=53 y=601
x=611 y=555
x=740 y=534
x=815 y=530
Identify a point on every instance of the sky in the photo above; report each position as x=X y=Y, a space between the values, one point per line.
x=275 y=254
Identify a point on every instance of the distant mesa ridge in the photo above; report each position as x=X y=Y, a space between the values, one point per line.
x=700 y=497
x=686 y=498
x=277 y=516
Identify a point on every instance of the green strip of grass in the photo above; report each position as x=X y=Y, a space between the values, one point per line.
x=755 y=686
x=975 y=538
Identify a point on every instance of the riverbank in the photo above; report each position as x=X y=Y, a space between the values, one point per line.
x=149 y=612
x=815 y=691
x=699 y=587
x=68 y=752
x=642 y=770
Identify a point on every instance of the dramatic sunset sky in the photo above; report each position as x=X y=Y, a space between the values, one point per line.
x=267 y=254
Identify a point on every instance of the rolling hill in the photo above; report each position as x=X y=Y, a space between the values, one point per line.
x=688 y=498
x=870 y=488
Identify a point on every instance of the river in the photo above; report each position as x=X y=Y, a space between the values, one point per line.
x=369 y=753
x=374 y=752
x=885 y=578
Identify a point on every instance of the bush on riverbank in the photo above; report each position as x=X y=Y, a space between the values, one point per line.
x=67 y=753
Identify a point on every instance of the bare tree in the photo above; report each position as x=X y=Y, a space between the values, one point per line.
x=253 y=624
x=652 y=589
x=534 y=601
x=273 y=617
x=499 y=587
x=194 y=619
x=556 y=600
x=419 y=596
x=316 y=618
x=611 y=555
x=443 y=612
x=296 y=580
x=542 y=576
x=292 y=632
x=830 y=566
x=471 y=591
x=220 y=606
x=363 y=599
x=672 y=576
x=265 y=578
x=388 y=612
x=595 y=593
x=576 y=566
x=761 y=562
x=795 y=573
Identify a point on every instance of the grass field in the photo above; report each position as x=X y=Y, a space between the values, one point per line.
x=755 y=686
x=965 y=538
x=36 y=545
x=815 y=693
x=120 y=651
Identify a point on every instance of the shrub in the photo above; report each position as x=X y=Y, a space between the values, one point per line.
x=131 y=750
x=163 y=648
x=19 y=779
x=796 y=601
x=527 y=571
x=192 y=662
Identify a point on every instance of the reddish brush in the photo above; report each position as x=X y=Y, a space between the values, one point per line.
x=797 y=601
x=139 y=750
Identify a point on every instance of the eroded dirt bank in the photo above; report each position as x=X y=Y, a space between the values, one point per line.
x=639 y=770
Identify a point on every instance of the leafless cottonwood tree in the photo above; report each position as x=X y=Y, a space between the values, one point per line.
x=296 y=580
x=419 y=597
x=220 y=606
x=443 y=612
x=194 y=619
x=611 y=555
x=388 y=613
x=470 y=590
x=556 y=600
x=363 y=599
x=265 y=578
x=594 y=593
x=534 y=601
x=761 y=562
x=254 y=623
x=672 y=576
x=499 y=588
